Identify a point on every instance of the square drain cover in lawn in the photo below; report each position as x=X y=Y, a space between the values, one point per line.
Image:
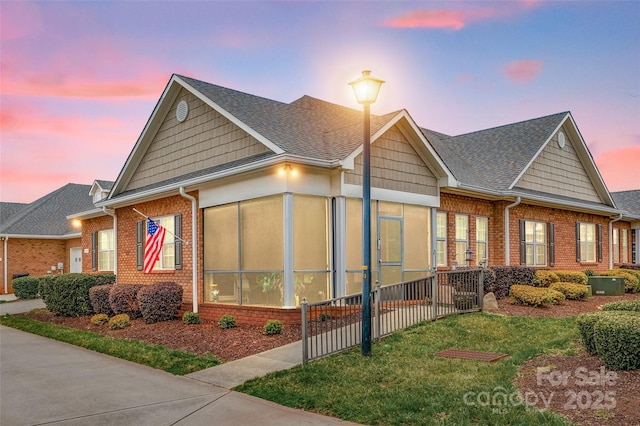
x=482 y=356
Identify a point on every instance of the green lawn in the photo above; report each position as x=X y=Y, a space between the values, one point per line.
x=403 y=383
x=172 y=361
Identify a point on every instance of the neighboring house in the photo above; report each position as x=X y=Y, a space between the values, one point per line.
x=38 y=239
x=262 y=201
x=629 y=201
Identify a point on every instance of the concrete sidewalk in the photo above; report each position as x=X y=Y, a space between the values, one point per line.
x=45 y=381
x=16 y=306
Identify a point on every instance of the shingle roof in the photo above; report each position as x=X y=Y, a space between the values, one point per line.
x=9 y=209
x=307 y=127
x=105 y=184
x=47 y=215
x=494 y=158
x=628 y=200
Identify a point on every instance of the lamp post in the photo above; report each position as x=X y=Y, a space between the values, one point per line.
x=366 y=89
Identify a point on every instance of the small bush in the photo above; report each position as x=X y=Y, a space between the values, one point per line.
x=68 y=294
x=635 y=273
x=631 y=283
x=630 y=266
x=160 y=301
x=227 y=321
x=25 y=287
x=272 y=327
x=191 y=318
x=535 y=296
x=622 y=305
x=505 y=277
x=119 y=322
x=571 y=291
x=617 y=341
x=99 y=296
x=99 y=319
x=575 y=277
x=589 y=273
x=545 y=278
x=123 y=299
x=586 y=323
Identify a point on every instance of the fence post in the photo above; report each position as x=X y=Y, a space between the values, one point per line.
x=434 y=294
x=376 y=301
x=305 y=338
x=480 y=288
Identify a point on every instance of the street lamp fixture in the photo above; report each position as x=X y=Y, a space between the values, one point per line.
x=366 y=89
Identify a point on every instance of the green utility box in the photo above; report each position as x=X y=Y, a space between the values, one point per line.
x=607 y=286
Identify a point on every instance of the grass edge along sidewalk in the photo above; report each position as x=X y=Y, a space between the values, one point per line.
x=155 y=356
x=403 y=383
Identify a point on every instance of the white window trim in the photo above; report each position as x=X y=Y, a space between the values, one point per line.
x=460 y=240
x=160 y=266
x=534 y=244
x=441 y=239
x=485 y=242
x=583 y=240
x=109 y=233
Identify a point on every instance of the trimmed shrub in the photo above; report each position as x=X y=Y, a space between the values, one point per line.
x=123 y=299
x=630 y=266
x=99 y=296
x=535 y=296
x=68 y=295
x=119 y=322
x=631 y=283
x=589 y=273
x=191 y=318
x=571 y=291
x=103 y=279
x=622 y=305
x=545 y=278
x=99 y=319
x=272 y=327
x=227 y=321
x=636 y=274
x=617 y=341
x=44 y=286
x=160 y=301
x=25 y=287
x=587 y=321
x=506 y=276
x=575 y=277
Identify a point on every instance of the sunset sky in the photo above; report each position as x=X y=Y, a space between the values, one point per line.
x=78 y=80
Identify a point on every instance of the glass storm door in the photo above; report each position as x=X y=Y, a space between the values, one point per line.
x=390 y=253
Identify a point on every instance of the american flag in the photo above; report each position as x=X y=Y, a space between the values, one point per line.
x=155 y=239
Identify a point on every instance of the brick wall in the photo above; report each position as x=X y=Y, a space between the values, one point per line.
x=564 y=222
x=253 y=315
x=89 y=226
x=34 y=256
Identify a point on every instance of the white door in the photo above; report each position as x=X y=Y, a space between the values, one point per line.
x=76 y=260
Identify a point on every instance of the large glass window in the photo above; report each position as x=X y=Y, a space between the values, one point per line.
x=311 y=248
x=244 y=252
x=536 y=243
x=482 y=240
x=105 y=250
x=462 y=238
x=616 y=245
x=587 y=242
x=624 y=239
x=441 y=238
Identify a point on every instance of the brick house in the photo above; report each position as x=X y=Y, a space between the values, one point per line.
x=266 y=198
x=38 y=239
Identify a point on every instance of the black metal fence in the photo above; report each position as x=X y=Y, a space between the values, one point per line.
x=334 y=325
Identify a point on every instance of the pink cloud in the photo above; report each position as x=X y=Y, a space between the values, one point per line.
x=456 y=19
x=619 y=168
x=522 y=71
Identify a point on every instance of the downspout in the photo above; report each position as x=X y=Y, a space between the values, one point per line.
x=4 y=264
x=112 y=213
x=507 y=259
x=194 y=246
x=611 y=239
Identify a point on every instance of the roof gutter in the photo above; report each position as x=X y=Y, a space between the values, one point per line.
x=5 y=238
x=150 y=194
x=507 y=259
x=611 y=239
x=112 y=213
x=194 y=246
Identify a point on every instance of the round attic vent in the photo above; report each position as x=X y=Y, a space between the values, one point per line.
x=561 y=140
x=182 y=111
